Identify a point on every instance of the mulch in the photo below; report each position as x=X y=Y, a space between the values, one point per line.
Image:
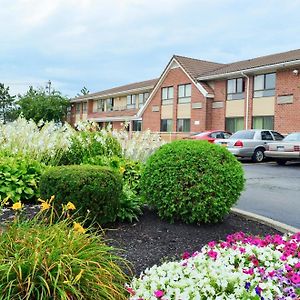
x=152 y=240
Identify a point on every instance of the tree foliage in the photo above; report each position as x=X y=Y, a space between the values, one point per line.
x=6 y=103
x=39 y=105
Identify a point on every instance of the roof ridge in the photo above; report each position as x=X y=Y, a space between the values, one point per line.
x=263 y=56
x=202 y=60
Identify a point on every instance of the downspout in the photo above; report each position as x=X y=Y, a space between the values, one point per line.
x=247 y=99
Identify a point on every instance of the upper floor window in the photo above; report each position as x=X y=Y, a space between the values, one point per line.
x=101 y=105
x=142 y=99
x=235 y=88
x=78 y=108
x=184 y=93
x=131 y=101
x=184 y=125
x=109 y=104
x=84 y=107
x=264 y=85
x=167 y=95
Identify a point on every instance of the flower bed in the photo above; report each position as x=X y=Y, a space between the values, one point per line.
x=242 y=267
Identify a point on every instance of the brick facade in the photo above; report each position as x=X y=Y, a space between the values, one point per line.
x=287 y=116
x=175 y=77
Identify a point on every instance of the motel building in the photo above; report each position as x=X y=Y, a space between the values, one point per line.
x=194 y=95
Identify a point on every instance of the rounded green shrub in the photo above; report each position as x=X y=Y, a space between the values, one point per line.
x=192 y=181
x=45 y=262
x=94 y=190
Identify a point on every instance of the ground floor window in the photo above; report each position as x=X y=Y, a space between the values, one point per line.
x=263 y=122
x=234 y=124
x=137 y=125
x=184 y=125
x=166 y=125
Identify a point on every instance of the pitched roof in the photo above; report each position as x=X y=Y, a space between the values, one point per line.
x=249 y=64
x=120 y=89
x=196 y=67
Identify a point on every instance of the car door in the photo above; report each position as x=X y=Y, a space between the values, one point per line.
x=266 y=137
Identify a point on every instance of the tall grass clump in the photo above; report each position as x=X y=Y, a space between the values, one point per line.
x=63 y=260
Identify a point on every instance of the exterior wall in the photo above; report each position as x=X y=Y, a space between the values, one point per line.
x=196 y=110
x=218 y=105
x=264 y=106
x=287 y=116
x=117 y=125
x=235 y=108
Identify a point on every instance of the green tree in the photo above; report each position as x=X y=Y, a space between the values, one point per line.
x=6 y=103
x=39 y=105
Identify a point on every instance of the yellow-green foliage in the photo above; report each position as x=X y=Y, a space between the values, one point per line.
x=59 y=261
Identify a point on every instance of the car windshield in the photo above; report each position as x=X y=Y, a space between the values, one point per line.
x=243 y=134
x=202 y=133
x=292 y=137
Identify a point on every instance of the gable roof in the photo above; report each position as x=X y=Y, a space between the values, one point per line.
x=147 y=84
x=197 y=67
x=248 y=64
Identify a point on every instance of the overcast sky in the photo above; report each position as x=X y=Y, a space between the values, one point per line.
x=101 y=44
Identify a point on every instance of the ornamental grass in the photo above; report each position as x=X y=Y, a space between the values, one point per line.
x=43 y=259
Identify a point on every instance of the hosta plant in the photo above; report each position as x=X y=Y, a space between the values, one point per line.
x=242 y=267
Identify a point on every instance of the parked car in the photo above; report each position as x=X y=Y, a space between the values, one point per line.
x=285 y=150
x=211 y=135
x=250 y=143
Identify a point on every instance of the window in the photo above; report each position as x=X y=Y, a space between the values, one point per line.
x=101 y=105
x=234 y=124
x=184 y=93
x=137 y=125
x=131 y=102
x=244 y=134
x=264 y=122
x=184 y=125
x=84 y=107
x=166 y=125
x=266 y=136
x=142 y=99
x=220 y=135
x=235 y=89
x=264 y=85
x=109 y=104
x=78 y=108
x=277 y=136
x=167 y=95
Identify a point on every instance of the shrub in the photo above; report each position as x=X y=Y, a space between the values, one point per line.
x=43 y=262
x=192 y=181
x=19 y=178
x=92 y=189
x=87 y=144
x=130 y=203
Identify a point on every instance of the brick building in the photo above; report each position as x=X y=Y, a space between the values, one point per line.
x=194 y=95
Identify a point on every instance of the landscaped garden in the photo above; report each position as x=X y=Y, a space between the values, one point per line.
x=100 y=214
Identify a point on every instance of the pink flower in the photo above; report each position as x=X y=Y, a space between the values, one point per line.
x=185 y=255
x=297 y=265
x=130 y=291
x=158 y=293
x=212 y=254
x=212 y=244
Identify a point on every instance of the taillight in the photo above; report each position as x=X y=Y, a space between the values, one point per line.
x=297 y=148
x=238 y=144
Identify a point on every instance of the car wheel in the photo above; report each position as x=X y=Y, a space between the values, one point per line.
x=258 y=155
x=281 y=162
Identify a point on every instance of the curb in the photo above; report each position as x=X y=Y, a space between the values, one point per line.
x=283 y=228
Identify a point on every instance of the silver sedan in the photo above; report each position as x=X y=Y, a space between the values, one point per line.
x=250 y=143
x=287 y=149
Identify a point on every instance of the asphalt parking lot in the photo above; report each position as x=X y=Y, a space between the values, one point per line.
x=272 y=191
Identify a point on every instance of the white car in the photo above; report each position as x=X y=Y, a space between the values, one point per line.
x=250 y=143
x=285 y=150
